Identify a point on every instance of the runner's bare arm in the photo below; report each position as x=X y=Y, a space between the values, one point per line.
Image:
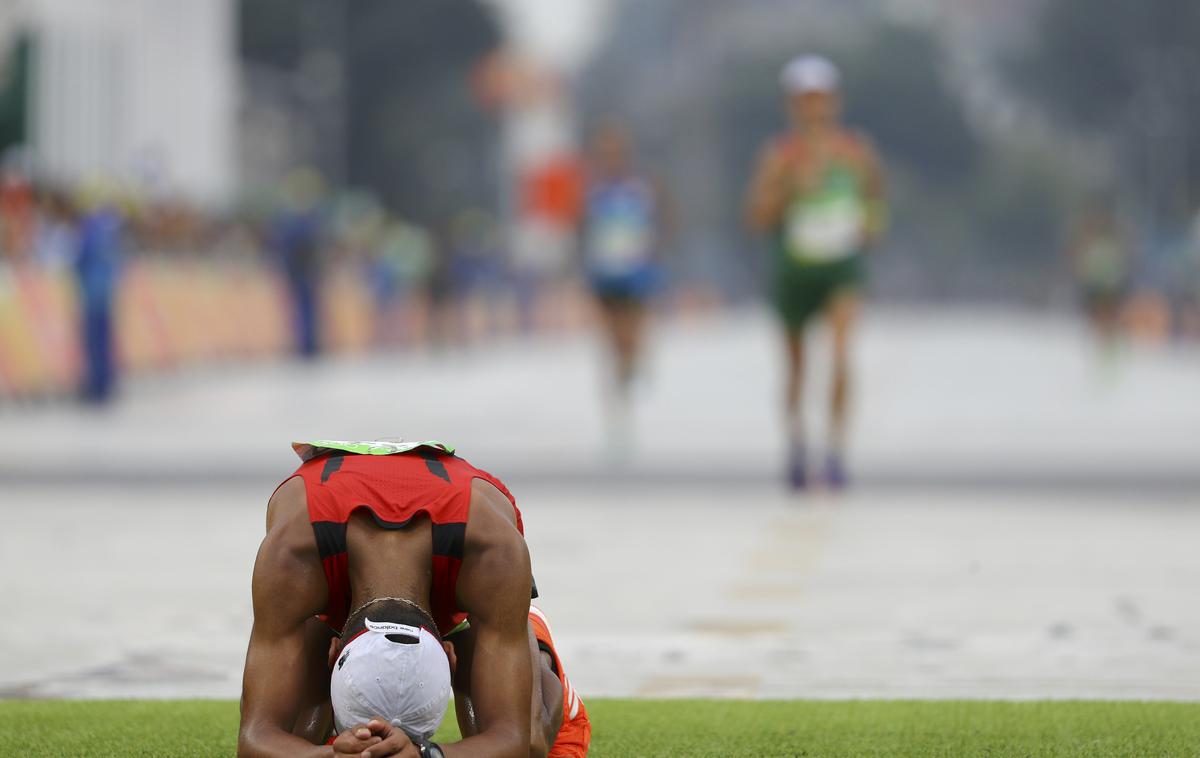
x=494 y=588
x=286 y=669
x=547 y=716
x=768 y=191
x=314 y=720
x=876 y=194
x=464 y=650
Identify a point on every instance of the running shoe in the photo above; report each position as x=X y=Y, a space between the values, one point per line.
x=835 y=471
x=798 y=469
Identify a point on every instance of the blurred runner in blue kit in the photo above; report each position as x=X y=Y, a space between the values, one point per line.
x=624 y=225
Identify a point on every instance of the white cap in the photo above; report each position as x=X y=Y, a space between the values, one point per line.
x=810 y=73
x=392 y=671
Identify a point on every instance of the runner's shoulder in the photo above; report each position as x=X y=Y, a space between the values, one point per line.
x=784 y=145
x=778 y=150
x=859 y=145
x=287 y=503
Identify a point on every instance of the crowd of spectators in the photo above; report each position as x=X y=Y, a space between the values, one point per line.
x=422 y=285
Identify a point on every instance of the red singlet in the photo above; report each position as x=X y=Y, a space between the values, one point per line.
x=394 y=488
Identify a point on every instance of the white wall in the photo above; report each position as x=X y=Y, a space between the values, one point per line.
x=137 y=89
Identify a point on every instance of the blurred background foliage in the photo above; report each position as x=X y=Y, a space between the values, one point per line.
x=385 y=90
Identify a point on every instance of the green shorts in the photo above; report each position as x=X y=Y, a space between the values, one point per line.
x=802 y=291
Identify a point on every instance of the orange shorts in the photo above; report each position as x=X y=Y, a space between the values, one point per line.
x=575 y=736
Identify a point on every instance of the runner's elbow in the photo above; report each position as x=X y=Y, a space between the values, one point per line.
x=245 y=745
x=758 y=218
x=538 y=747
x=516 y=745
x=496 y=743
x=541 y=741
x=543 y=734
x=251 y=742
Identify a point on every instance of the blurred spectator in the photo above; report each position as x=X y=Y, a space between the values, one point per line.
x=97 y=267
x=445 y=329
x=17 y=206
x=1189 y=316
x=56 y=241
x=1100 y=254
x=297 y=238
x=542 y=240
x=476 y=273
x=399 y=277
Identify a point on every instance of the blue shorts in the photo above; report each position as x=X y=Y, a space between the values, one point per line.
x=635 y=285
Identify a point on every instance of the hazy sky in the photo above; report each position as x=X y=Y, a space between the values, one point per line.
x=562 y=32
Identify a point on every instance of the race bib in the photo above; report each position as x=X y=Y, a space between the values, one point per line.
x=826 y=228
x=393 y=446
x=620 y=226
x=619 y=242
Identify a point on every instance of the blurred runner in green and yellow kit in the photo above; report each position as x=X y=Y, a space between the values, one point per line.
x=1101 y=256
x=818 y=194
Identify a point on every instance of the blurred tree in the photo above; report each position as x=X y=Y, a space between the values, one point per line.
x=1090 y=62
x=399 y=71
x=270 y=32
x=415 y=132
x=1128 y=71
x=15 y=73
x=1018 y=203
x=896 y=87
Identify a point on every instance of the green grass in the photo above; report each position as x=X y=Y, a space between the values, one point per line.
x=691 y=728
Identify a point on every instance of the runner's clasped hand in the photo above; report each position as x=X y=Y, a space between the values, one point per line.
x=375 y=739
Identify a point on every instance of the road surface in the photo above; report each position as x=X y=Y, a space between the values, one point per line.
x=1023 y=525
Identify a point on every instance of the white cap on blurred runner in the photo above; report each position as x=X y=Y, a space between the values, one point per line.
x=810 y=73
x=394 y=671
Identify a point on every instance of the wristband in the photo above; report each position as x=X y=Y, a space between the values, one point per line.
x=426 y=748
